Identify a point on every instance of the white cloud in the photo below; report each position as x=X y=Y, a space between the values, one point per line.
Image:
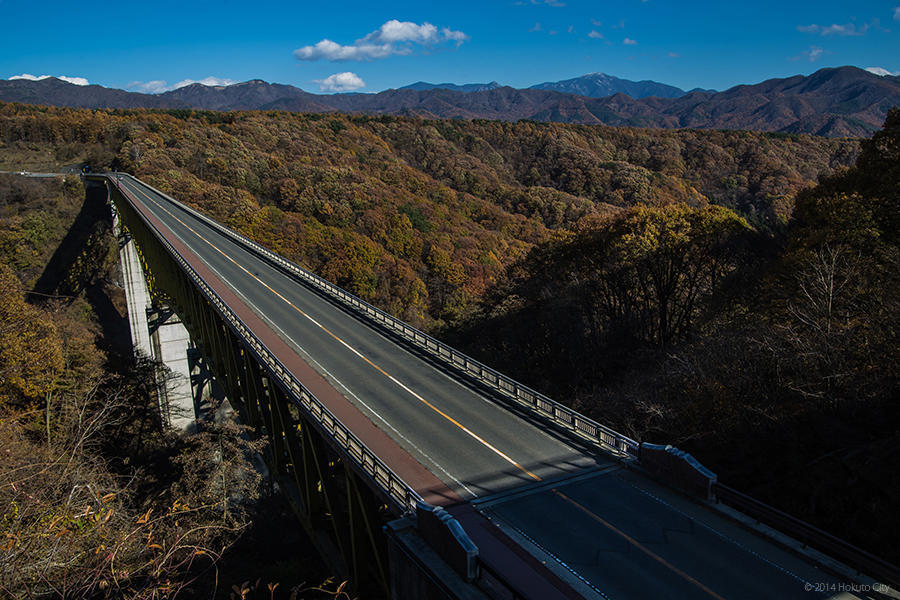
x=393 y=37
x=814 y=53
x=328 y=50
x=595 y=35
x=596 y=23
x=881 y=71
x=158 y=86
x=537 y=27
x=457 y=36
x=850 y=29
x=629 y=42
x=673 y=55
x=73 y=80
x=207 y=81
x=341 y=82
x=897 y=13
x=149 y=87
x=394 y=31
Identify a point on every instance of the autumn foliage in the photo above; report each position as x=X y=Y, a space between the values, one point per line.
x=422 y=217
x=732 y=292
x=96 y=498
x=773 y=359
x=30 y=348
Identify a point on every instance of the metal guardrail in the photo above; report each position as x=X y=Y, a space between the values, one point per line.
x=365 y=459
x=809 y=535
x=534 y=402
x=540 y=405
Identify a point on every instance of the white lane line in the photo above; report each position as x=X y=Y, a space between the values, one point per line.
x=714 y=531
x=360 y=355
x=493 y=405
x=328 y=373
x=467 y=430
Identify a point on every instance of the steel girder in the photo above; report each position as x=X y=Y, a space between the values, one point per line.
x=335 y=506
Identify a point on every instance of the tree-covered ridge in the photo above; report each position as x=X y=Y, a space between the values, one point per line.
x=641 y=278
x=836 y=102
x=97 y=498
x=685 y=287
x=773 y=360
x=421 y=217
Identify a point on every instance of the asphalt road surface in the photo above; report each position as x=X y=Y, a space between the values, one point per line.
x=611 y=532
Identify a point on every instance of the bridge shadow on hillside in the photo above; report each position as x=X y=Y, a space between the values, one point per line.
x=79 y=265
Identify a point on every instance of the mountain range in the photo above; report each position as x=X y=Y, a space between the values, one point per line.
x=592 y=85
x=836 y=102
x=600 y=85
x=421 y=86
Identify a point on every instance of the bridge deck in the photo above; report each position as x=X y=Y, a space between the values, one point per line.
x=620 y=535
x=608 y=531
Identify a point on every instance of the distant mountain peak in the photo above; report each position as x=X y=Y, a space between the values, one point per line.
x=422 y=86
x=601 y=85
x=842 y=101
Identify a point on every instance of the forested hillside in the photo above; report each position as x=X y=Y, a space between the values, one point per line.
x=689 y=287
x=97 y=499
x=773 y=360
x=421 y=217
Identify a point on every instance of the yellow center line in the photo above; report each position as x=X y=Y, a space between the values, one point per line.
x=415 y=395
x=637 y=544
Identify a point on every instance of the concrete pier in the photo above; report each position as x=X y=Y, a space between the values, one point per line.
x=171 y=344
x=157 y=333
x=136 y=292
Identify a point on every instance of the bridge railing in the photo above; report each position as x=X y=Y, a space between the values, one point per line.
x=405 y=497
x=809 y=535
x=534 y=402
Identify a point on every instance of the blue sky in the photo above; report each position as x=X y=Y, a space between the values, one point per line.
x=372 y=46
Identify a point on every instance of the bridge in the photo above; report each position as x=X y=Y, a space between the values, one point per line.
x=419 y=472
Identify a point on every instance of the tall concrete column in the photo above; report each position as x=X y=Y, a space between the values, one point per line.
x=162 y=338
x=171 y=342
x=136 y=293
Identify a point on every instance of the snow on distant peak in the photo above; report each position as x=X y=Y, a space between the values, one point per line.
x=66 y=78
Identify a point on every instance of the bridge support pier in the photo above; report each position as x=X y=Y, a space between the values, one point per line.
x=171 y=343
x=342 y=513
x=156 y=332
